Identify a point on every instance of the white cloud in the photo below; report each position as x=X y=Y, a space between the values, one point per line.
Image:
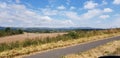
x=104 y=16
x=90 y=5
x=91 y=14
x=67 y=22
x=72 y=15
x=51 y=3
x=72 y=8
x=17 y=1
x=117 y=2
x=98 y=21
x=88 y=15
x=58 y=23
x=3 y=5
x=68 y=2
x=104 y=2
x=116 y=22
x=49 y=12
x=61 y=7
x=108 y=10
x=17 y=15
x=10 y=21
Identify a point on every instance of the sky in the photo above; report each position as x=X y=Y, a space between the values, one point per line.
x=60 y=13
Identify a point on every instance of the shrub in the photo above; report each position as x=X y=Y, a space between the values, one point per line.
x=73 y=34
x=8 y=31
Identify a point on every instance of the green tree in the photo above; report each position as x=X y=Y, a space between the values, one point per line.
x=8 y=29
x=20 y=31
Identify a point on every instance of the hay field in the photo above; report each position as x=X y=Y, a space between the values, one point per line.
x=24 y=36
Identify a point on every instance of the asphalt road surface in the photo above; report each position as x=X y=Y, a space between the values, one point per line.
x=58 y=53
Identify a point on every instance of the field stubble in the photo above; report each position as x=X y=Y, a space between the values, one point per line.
x=25 y=36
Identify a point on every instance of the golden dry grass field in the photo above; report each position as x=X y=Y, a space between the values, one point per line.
x=24 y=36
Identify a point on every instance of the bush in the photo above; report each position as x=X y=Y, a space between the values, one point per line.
x=73 y=34
x=8 y=31
x=20 y=31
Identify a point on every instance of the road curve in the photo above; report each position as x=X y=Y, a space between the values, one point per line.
x=57 y=53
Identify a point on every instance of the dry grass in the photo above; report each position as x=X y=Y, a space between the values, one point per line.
x=48 y=46
x=24 y=36
x=112 y=48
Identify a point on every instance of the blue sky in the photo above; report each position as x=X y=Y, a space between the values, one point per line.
x=60 y=13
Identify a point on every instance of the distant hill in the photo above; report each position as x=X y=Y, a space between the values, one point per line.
x=1 y=28
x=47 y=29
x=13 y=28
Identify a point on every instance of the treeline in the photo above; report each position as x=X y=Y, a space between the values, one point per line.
x=8 y=31
x=89 y=33
x=37 y=30
x=70 y=36
x=42 y=31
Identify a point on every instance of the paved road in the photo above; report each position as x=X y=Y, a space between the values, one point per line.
x=57 y=53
